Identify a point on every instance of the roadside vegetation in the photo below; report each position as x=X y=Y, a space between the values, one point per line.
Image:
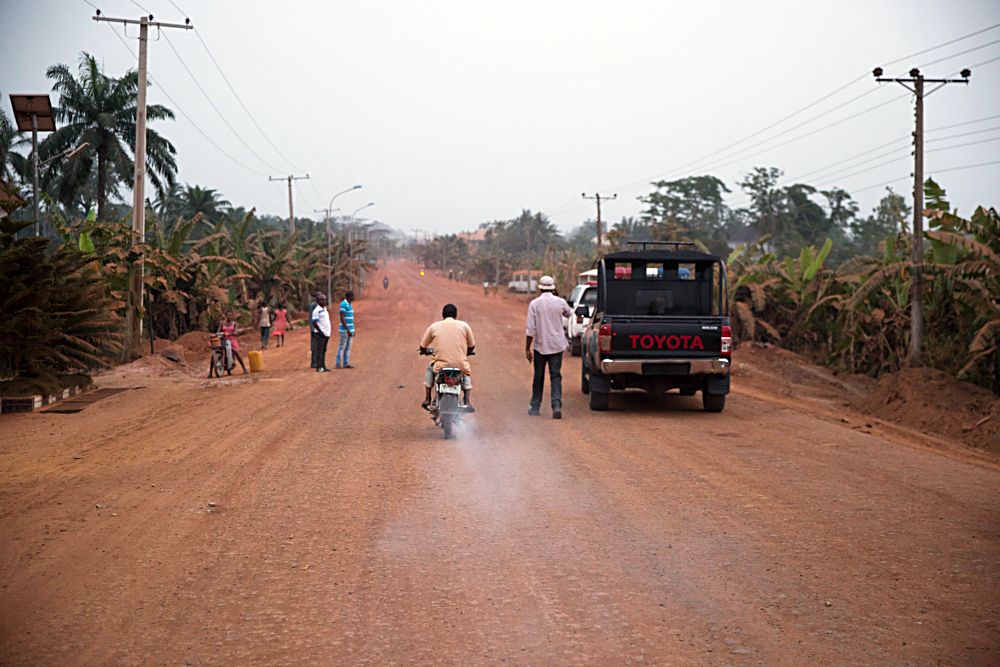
x=63 y=294
x=806 y=270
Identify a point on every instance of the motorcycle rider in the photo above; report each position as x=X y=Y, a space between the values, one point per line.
x=452 y=342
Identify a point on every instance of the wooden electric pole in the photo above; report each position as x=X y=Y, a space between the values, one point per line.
x=917 y=81
x=134 y=311
x=291 y=207
x=597 y=197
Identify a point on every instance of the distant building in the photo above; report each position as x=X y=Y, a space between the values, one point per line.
x=473 y=239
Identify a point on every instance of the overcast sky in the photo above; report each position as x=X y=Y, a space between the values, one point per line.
x=456 y=113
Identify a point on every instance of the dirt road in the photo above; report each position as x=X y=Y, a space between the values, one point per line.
x=304 y=518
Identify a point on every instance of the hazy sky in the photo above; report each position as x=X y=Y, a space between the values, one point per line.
x=455 y=113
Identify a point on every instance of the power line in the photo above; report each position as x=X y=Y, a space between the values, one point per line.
x=242 y=104
x=968 y=166
x=632 y=185
x=806 y=135
x=961 y=53
x=944 y=44
x=182 y=112
x=968 y=122
x=212 y=104
x=849 y=159
x=965 y=134
x=970 y=143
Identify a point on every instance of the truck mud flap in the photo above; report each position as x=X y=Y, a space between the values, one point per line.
x=717 y=384
x=600 y=383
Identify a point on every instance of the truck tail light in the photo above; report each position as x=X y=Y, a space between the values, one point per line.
x=604 y=338
x=727 y=341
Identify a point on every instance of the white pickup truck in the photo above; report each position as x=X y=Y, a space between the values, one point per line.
x=582 y=295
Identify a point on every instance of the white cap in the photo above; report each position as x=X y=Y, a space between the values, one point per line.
x=546 y=283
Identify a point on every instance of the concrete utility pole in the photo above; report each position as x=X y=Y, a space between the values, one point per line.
x=917 y=81
x=597 y=197
x=133 y=317
x=291 y=207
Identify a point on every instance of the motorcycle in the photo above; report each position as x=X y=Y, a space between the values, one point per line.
x=446 y=407
x=222 y=356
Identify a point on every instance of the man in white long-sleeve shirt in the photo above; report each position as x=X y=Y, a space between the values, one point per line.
x=321 y=327
x=544 y=344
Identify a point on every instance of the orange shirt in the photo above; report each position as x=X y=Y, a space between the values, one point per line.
x=451 y=340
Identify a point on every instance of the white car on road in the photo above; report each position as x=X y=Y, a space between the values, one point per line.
x=574 y=325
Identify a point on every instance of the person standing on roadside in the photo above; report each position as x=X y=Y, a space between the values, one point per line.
x=545 y=342
x=280 y=324
x=321 y=325
x=346 y=331
x=264 y=317
x=313 y=336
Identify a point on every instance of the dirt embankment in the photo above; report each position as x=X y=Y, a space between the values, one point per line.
x=935 y=402
x=921 y=399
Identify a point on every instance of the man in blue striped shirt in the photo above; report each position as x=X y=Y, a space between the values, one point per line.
x=346 y=330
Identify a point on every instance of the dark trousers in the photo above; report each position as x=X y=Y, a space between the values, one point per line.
x=314 y=349
x=554 y=362
x=319 y=350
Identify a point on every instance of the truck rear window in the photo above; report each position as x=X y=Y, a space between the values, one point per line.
x=662 y=288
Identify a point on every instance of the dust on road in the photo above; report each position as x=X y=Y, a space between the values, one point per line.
x=304 y=518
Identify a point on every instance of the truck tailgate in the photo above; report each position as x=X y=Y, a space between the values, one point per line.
x=678 y=337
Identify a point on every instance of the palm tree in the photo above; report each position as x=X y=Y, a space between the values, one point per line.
x=101 y=111
x=13 y=165
x=195 y=199
x=168 y=203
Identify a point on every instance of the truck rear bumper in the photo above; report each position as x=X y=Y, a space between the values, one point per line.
x=715 y=366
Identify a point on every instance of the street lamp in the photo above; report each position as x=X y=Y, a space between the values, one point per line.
x=33 y=112
x=361 y=208
x=350 y=235
x=329 y=268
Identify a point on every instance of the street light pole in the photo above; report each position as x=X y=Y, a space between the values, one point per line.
x=328 y=213
x=329 y=259
x=354 y=218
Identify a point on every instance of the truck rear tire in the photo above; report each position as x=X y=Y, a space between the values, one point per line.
x=584 y=377
x=713 y=402
x=599 y=401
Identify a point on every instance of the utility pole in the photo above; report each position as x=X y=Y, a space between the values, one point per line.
x=291 y=207
x=597 y=197
x=917 y=81
x=133 y=316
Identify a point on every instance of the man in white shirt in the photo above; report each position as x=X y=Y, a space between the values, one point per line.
x=544 y=344
x=321 y=327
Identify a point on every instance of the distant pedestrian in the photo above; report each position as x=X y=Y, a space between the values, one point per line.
x=321 y=325
x=385 y=282
x=280 y=324
x=346 y=331
x=486 y=288
x=545 y=342
x=264 y=317
x=313 y=336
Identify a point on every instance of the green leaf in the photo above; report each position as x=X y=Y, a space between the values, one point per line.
x=818 y=260
x=86 y=243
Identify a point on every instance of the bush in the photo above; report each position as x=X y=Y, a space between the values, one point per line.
x=56 y=316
